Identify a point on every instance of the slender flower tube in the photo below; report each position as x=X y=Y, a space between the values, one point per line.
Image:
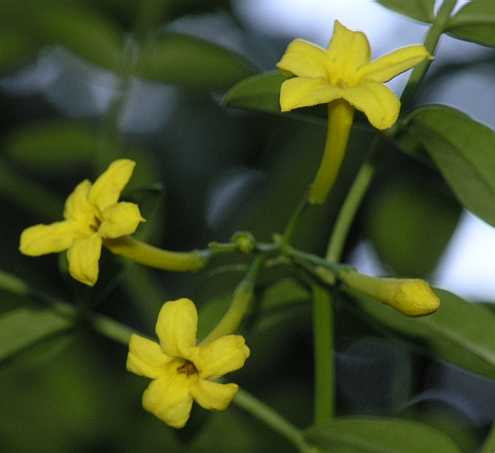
x=182 y=371
x=92 y=214
x=410 y=296
x=343 y=77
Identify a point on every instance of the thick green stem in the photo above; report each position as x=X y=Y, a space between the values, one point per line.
x=271 y=418
x=489 y=444
x=324 y=399
x=351 y=204
x=431 y=43
x=241 y=301
x=340 y=117
x=155 y=257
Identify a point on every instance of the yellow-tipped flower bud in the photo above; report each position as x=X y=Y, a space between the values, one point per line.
x=411 y=296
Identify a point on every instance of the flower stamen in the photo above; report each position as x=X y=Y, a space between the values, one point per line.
x=187 y=368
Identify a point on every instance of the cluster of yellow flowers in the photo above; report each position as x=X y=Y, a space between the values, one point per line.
x=341 y=76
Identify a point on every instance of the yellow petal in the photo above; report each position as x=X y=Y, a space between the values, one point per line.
x=83 y=258
x=107 y=188
x=304 y=59
x=376 y=101
x=348 y=50
x=168 y=398
x=302 y=92
x=176 y=328
x=78 y=207
x=120 y=219
x=42 y=239
x=389 y=66
x=146 y=358
x=212 y=395
x=221 y=356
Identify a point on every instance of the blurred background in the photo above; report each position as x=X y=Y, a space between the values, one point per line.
x=70 y=106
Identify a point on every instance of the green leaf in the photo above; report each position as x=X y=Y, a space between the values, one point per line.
x=378 y=435
x=475 y=22
x=464 y=151
x=52 y=145
x=262 y=92
x=459 y=332
x=407 y=212
x=191 y=62
x=421 y=10
x=24 y=327
x=15 y=49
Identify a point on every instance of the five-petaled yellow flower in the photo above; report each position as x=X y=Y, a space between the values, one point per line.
x=92 y=213
x=343 y=76
x=181 y=370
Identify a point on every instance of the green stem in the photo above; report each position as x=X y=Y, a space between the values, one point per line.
x=271 y=418
x=351 y=204
x=334 y=267
x=323 y=355
x=289 y=230
x=431 y=43
x=241 y=301
x=489 y=444
x=155 y=257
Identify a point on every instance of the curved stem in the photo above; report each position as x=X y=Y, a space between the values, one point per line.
x=243 y=296
x=351 y=205
x=155 y=257
x=323 y=355
x=289 y=230
x=431 y=43
x=271 y=418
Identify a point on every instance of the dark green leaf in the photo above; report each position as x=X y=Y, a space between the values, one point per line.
x=416 y=208
x=23 y=327
x=191 y=62
x=52 y=145
x=262 y=92
x=378 y=435
x=421 y=10
x=15 y=49
x=459 y=332
x=475 y=22
x=464 y=151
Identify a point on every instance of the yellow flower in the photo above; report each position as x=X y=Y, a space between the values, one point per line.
x=344 y=71
x=181 y=370
x=343 y=77
x=92 y=213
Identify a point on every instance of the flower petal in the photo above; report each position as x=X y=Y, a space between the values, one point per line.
x=389 y=66
x=221 y=356
x=304 y=59
x=303 y=92
x=78 y=206
x=168 y=398
x=146 y=358
x=42 y=239
x=176 y=328
x=107 y=188
x=376 y=101
x=83 y=258
x=120 y=219
x=213 y=395
x=348 y=50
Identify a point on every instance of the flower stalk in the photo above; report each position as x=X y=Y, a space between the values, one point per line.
x=157 y=258
x=340 y=117
x=241 y=302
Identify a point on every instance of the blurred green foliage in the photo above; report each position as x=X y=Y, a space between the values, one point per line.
x=214 y=155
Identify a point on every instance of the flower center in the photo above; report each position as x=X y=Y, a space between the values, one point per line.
x=187 y=368
x=95 y=224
